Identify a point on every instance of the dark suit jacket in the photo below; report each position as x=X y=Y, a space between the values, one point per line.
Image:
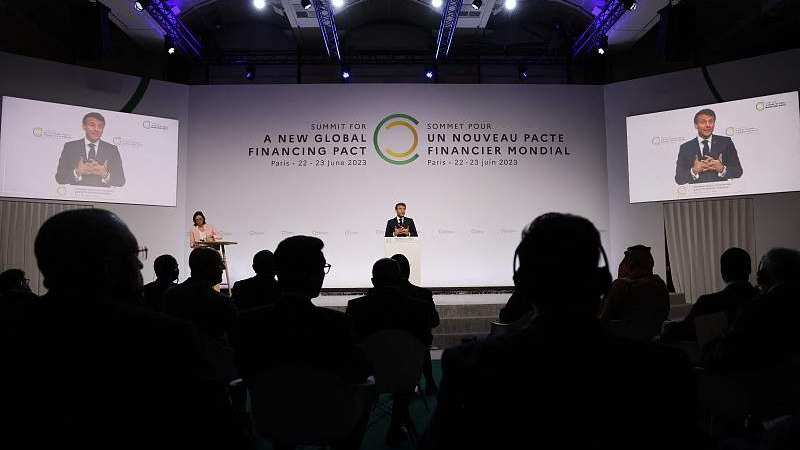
x=97 y=375
x=153 y=298
x=75 y=151
x=213 y=313
x=255 y=292
x=727 y=300
x=393 y=223
x=294 y=331
x=386 y=308
x=516 y=307
x=720 y=145
x=564 y=381
x=425 y=295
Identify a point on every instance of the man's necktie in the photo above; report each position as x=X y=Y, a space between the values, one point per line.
x=401 y=221
x=706 y=150
x=92 y=153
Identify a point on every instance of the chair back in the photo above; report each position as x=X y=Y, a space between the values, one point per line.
x=306 y=405
x=397 y=357
x=642 y=325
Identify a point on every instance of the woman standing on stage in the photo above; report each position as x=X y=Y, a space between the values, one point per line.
x=202 y=231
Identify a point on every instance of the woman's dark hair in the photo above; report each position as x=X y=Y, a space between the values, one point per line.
x=198 y=213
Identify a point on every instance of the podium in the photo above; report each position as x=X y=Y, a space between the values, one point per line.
x=408 y=247
x=220 y=245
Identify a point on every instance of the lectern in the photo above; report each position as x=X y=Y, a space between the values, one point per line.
x=408 y=247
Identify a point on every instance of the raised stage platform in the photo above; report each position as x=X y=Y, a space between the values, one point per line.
x=466 y=314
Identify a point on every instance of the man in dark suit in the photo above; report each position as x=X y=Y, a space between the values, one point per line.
x=564 y=381
x=296 y=332
x=293 y=330
x=400 y=226
x=426 y=297
x=765 y=333
x=167 y=271
x=196 y=300
x=96 y=372
x=735 y=266
x=708 y=157
x=386 y=308
x=91 y=161
x=260 y=290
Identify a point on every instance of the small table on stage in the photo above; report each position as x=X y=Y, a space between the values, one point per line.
x=221 y=246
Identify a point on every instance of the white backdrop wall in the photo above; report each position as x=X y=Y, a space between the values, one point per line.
x=776 y=216
x=161 y=229
x=469 y=216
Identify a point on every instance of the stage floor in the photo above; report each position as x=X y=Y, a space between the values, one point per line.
x=439 y=299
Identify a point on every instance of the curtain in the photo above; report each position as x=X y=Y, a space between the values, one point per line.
x=19 y=223
x=697 y=234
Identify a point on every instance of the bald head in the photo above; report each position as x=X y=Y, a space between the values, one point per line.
x=95 y=244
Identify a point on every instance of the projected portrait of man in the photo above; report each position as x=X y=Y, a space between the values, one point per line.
x=90 y=161
x=708 y=157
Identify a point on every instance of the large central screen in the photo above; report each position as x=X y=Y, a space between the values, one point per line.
x=742 y=147
x=63 y=152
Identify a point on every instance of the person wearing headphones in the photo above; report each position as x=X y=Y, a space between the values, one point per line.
x=564 y=381
x=636 y=289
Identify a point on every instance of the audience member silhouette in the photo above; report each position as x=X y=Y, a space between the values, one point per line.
x=637 y=291
x=166 y=269
x=564 y=379
x=91 y=371
x=735 y=267
x=14 y=284
x=260 y=290
x=294 y=331
x=196 y=300
x=386 y=308
x=765 y=334
x=426 y=296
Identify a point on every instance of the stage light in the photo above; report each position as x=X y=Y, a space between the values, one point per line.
x=630 y=5
x=306 y=4
x=345 y=73
x=260 y=4
x=337 y=3
x=436 y=3
x=476 y=4
x=522 y=72
x=250 y=72
x=138 y=6
x=429 y=74
x=602 y=46
x=510 y=4
x=168 y=45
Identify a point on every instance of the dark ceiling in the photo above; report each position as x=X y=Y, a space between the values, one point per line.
x=541 y=32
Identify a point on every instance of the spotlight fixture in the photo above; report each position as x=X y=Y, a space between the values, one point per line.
x=345 y=73
x=476 y=4
x=337 y=3
x=436 y=3
x=139 y=6
x=168 y=45
x=510 y=4
x=602 y=46
x=306 y=4
x=522 y=72
x=429 y=74
x=250 y=72
x=630 y=5
x=259 y=4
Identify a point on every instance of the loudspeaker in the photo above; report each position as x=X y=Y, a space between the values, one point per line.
x=677 y=32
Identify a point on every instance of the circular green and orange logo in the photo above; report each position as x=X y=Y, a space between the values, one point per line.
x=393 y=145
